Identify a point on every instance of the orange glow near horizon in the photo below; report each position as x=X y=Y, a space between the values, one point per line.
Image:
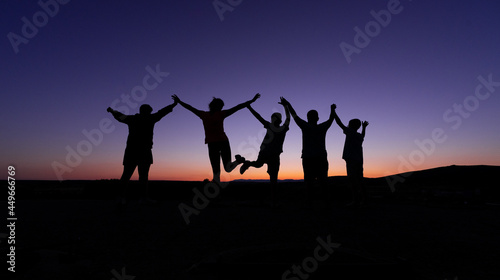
x=281 y=176
x=165 y=170
x=249 y=175
x=196 y=172
x=158 y=173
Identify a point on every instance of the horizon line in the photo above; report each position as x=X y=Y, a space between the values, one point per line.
x=266 y=179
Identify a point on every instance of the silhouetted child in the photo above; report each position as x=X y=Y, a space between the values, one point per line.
x=353 y=156
x=314 y=156
x=271 y=147
x=215 y=137
x=139 y=144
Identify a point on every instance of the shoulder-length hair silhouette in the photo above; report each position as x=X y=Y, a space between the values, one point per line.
x=215 y=137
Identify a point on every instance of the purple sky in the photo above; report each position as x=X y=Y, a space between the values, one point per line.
x=427 y=79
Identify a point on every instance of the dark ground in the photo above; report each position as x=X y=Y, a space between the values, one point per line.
x=71 y=230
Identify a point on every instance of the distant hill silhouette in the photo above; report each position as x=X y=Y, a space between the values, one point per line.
x=449 y=177
x=454 y=175
x=472 y=182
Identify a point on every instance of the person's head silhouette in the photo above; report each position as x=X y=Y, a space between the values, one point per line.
x=276 y=119
x=312 y=117
x=216 y=105
x=354 y=124
x=145 y=109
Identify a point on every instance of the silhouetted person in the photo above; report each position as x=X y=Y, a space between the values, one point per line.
x=314 y=156
x=271 y=147
x=353 y=156
x=215 y=137
x=139 y=144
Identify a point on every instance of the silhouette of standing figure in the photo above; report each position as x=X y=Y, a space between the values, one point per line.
x=139 y=144
x=271 y=147
x=215 y=137
x=353 y=156
x=314 y=156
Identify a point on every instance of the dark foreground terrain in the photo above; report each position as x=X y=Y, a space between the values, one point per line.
x=433 y=226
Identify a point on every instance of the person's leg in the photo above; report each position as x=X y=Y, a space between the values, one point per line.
x=128 y=170
x=355 y=177
x=214 y=155
x=352 y=185
x=273 y=166
x=144 y=178
x=257 y=164
x=363 y=186
x=360 y=186
x=323 y=179
x=307 y=166
x=225 y=154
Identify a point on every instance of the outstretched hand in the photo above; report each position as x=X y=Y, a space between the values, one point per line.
x=283 y=101
x=333 y=106
x=257 y=96
x=109 y=110
x=176 y=98
x=365 y=124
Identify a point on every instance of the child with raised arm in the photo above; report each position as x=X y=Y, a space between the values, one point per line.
x=271 y=147
x=215 y=137
x=353 y=156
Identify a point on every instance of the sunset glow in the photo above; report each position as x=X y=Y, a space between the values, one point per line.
x=424 y=74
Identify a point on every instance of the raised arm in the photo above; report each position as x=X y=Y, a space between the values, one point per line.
x=168 y=108
x=165 y=110
x=287 y=111
x=332 y=114
x=242 y=105
x=364 y=124
x=296 y=118
x=259 y=117
x=119 y=116
x=337 y=119
x=185 y=105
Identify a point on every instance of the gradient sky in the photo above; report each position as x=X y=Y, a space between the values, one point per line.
x=417 y=80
